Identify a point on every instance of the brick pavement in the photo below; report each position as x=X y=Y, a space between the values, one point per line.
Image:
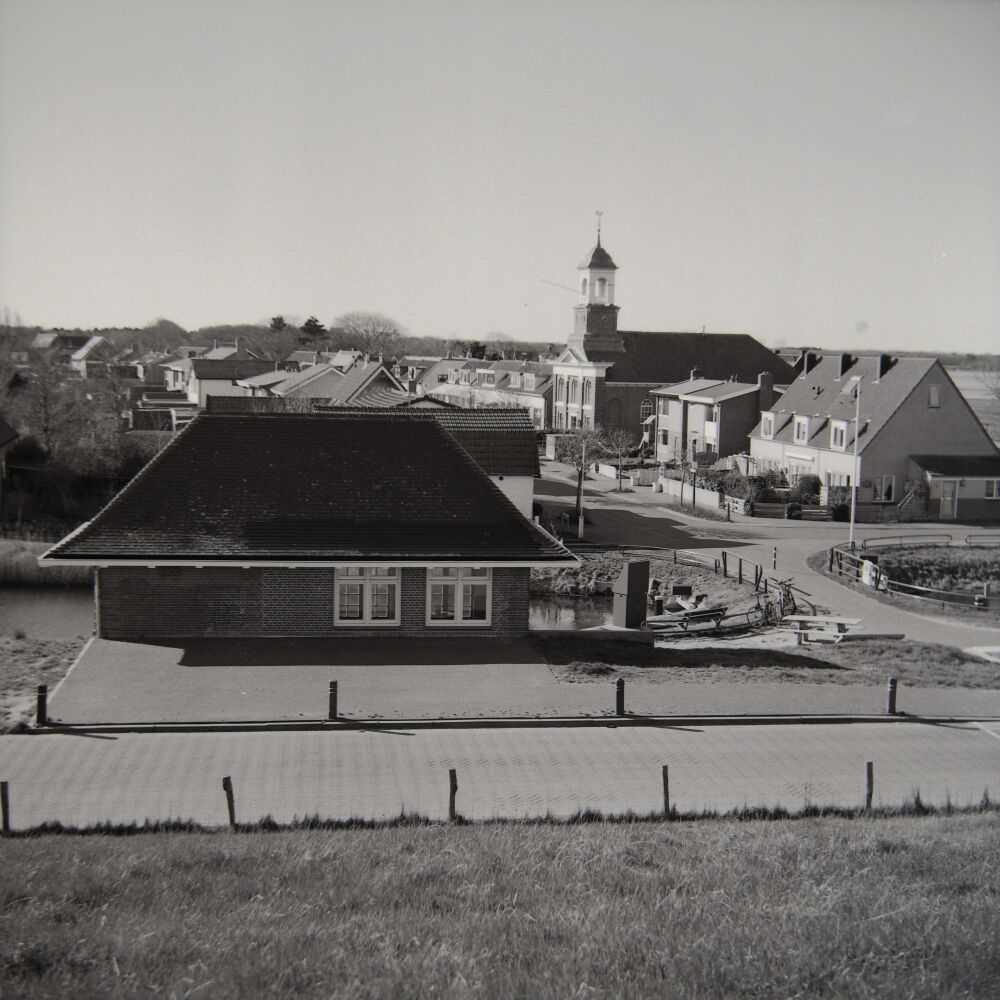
x=510 y=773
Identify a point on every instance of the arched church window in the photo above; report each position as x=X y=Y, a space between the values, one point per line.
x=602 y=287
x=645 y=409
x=583 y=287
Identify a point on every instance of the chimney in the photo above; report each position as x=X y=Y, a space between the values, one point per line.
x=694 y=373
x=844 y=361
x=765 y=390
x=885 y=362
x=807 y=361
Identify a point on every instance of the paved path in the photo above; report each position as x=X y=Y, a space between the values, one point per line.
x=508 y=773
x=227 y=680
x=796 y=540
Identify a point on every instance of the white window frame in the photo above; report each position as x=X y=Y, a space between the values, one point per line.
x=646 y=409
x=528 y=381
x=803 y=423
x=461 y=578
x=370 y=578
x=767 y=426
x=934 y=396
x=841 y=427
x=991 y=489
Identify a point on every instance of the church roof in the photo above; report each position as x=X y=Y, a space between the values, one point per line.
x=600 y=258
x=669 y=357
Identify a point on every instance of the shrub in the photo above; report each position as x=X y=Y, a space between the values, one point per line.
x=805 y=490
x=793 y=511
x=840 y=512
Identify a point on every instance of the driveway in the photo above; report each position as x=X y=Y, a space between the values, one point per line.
x=509 y=773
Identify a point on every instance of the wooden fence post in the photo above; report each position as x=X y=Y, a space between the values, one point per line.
x=452 y=792
x=869 y=784
x=42 y=706
x=890 y=707
x=725 y=567
x=666 y=791
x=739 y=570
x=620 y=696
x=227 y=787
x=774 y=560
x=4 y=808
x=333 y=700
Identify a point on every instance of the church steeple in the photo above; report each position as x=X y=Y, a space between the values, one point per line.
x=596 y=312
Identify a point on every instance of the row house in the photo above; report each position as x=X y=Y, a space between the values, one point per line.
x=919 y=446
x=504 y=384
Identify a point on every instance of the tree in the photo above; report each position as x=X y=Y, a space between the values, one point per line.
x=278 y=324
x=618 y=441
x=579 y=448
x=372 y=333
x=313 y=328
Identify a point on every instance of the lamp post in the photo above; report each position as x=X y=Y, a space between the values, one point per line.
x=856 y=473
x=583 y=476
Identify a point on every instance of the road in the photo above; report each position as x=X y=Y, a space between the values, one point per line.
x=502 y=773
x=640 y=518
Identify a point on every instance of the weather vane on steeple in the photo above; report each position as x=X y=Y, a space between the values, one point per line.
x=599 y=213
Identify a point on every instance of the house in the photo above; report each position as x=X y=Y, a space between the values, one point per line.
x=904 y=413
x=341 y=360
x=476 y=383
x=708 y=417
x=94 y=358
x=368 y=384
x=606 y=376
x=221 y=376
x=374 y=523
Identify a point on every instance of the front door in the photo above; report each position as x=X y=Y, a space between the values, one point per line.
x=949 y=499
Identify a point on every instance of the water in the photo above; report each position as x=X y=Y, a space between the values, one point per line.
x=567 y=613
x=47 y=612
x=63 y=613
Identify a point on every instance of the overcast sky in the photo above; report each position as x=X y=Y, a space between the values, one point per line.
x=807 y=172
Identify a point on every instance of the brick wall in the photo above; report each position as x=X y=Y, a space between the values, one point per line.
x=135 y=603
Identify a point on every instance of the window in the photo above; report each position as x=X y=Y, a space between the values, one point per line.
x=574 y=385
x=884 y=488
x=528 y=381
x=645 y=409
x=367 y=595
x=515 y=380
x=458 y=596
x=560 y=384
x=665 y=438
x=934 y=396
x=838 y=435
x=801 y=434
x=992 y=491
x=767 y=425
x=588 y=392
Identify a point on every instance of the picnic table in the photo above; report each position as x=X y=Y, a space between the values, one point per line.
x=818 y=626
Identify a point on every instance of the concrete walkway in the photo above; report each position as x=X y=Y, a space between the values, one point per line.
x=509 y=773
x=226 y=680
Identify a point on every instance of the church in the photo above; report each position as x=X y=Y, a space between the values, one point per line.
x=605 y=377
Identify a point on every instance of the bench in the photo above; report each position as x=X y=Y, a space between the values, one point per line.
x=683 y=620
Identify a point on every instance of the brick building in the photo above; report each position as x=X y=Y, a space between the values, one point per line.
x=342 y=523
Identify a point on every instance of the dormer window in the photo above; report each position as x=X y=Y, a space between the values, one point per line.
x=767 y=426
x=528 y=381
x=515 y=380
x=489 y=378
x=838 y=435
x=801 y=432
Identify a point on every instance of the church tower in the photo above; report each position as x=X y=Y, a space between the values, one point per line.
x=596 y=313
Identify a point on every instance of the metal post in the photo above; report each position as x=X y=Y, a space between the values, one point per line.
x=42 y=706
x=452 y=792
x=890 y=708
x=774 y=558
x=869 y=784
x=855 y=471
x=4 y=808
x=333 y=700
x=666 y=790
x=583 y=476
x=620 y=696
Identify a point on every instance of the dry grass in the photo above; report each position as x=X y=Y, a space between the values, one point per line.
x=24 y=664
x=817 y=908
x=19 y=567
x=582 y=658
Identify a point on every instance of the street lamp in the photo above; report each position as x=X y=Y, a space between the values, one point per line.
x=856 y=473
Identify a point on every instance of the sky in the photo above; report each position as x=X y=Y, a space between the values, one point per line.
x=808 y=172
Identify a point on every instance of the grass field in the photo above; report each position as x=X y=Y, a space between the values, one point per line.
x=812 y=908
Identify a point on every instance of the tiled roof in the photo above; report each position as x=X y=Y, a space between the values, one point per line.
x=376 y=486
x=669 y=357
x=226 y=368
x=362 y=377
x=380 y=397
x=321 y=376
x=973 y=466
x=265 y=379
x=823 y=394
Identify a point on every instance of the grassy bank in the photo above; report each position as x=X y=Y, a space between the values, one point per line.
x=19 y=567
x=813 y=908
x=24 y=664
x=579 y=658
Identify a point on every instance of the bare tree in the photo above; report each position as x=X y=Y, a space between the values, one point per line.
x=618 y=441
x=372 y=333
x=579 y=448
